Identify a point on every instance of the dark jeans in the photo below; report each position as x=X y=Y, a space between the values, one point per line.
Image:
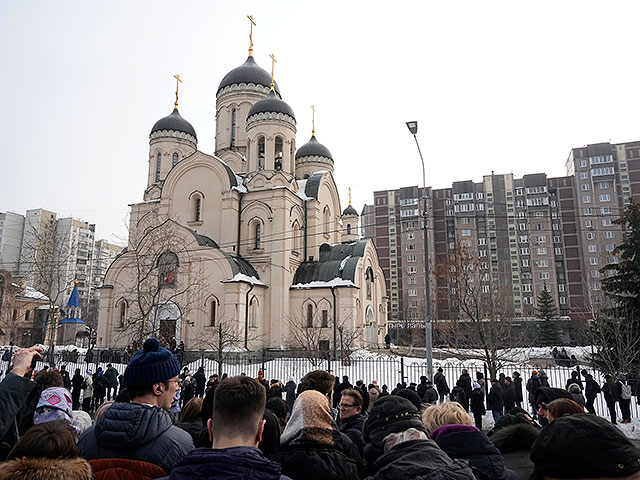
x=115 y=392
x=477 y=417
x=496 y=414
x=86 y=405
x=75 y=398
x=590 y=408
x=612 y=411
x=625 y=408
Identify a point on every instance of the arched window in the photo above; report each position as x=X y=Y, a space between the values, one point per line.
x=26 y=316
x=309 y=315
x=348 y=229
x=326 y=220
x=1 y=291
x=253 y=312
x=258 y=235
x=122 y=314
x=278 y=153
x=197 y=209
x=174 y=162
x=14 y=317
x=369 y=280
x=158 y=165
x=297 y=237
x=233 y=127
x=168 y=269
x=261 y=150
x=213 y=307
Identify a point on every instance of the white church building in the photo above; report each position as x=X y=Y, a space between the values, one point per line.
x=248 y=243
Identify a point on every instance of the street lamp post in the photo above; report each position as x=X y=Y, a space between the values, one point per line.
x=413 y=128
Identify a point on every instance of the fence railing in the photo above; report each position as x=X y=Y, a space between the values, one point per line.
x=386 y=369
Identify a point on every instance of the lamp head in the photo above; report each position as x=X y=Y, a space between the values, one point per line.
x=413 y=127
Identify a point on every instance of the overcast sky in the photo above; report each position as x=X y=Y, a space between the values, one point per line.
x=495 y=85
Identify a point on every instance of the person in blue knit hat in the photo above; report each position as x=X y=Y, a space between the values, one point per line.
x=143 y=429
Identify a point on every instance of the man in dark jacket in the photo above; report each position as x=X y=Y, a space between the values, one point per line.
x=143 y=429
x=111 y=376
x=495 y=400
x=517 y=385
x=509 y=395
x=422 y=386
x=533 y=384
x=76 y=388
x=362 y=388
x=477 y=405
x=238 y=418
x=339 y=388
x=351 y=419
x=65 y=377
x=465 y=382
x=430 y=394
x=201 y=381
x=591 y=391
x=290 y=391
x=441 y=384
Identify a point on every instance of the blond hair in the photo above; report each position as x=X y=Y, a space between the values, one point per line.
x=448 y=413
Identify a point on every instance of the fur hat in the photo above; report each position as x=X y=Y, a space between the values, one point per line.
x=583 y=446
x=410 y=395
x=150 y=365
x=46 y=469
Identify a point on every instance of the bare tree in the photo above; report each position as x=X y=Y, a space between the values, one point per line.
x=223 y=339
x=481 y=310
x=46 y=258
x=305 y=337
x=618 y=345
x=162 y=285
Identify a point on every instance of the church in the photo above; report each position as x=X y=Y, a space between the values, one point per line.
x=247 y=248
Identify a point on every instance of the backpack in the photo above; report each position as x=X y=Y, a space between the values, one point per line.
x=625 y=391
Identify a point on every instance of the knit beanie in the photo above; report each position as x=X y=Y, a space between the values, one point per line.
x=583 y=446
x=151 y=365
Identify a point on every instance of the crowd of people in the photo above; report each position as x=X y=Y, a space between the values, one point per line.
x=158 y=420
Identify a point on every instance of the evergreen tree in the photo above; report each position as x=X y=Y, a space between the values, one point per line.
x=547 y=312
x=622 y=285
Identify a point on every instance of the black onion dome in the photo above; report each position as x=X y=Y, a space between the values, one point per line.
x=313 y=148
x=271 y=104
x=350 y=211
x=248 y=72
x=174 y=122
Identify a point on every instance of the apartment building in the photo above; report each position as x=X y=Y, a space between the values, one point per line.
x=528 y=234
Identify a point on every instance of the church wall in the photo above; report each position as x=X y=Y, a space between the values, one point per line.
x=166 y=146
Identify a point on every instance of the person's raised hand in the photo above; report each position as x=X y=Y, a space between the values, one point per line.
x=23 y=357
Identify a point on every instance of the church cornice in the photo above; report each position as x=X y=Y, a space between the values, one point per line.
x=243 y=87
x=283 y=117
x=172 y=134
x=314 y=159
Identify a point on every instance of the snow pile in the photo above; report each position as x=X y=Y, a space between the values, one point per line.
x=241 y=277
x=336 y=282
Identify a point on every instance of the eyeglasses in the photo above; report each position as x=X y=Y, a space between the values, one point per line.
x=346 y=405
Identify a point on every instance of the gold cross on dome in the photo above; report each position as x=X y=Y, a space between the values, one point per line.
x=349 y=196
x=178 y=82
x=273 y=63
x=252 y=24
x=313 y=120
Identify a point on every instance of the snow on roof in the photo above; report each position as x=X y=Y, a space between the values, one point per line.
x=30 y=292
x=240 y=181
x=336 y=282
x=241 y=277
x=344 y=262
x=302 y=184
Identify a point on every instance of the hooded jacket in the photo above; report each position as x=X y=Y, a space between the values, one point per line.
x=46 y=469
x=468 y=443
x=419 y=460
x=236 y=463
x=136 y=432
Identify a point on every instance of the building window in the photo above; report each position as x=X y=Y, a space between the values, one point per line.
x=413 y=292
x=465 y=232
x=309 y=316
x=158 y=165
x=278 y=154
x=325 y=318
x=174 y=162
x=233 y=127
x=122 y=314
x=261 y=150
x=544 y=276
x=605 y=197
x=592 y=248
x=585 y=187
x=212 y=313
x=593 y=261
x=197 y=209
x=411 y=258
x=258 y=236
x=348 y=229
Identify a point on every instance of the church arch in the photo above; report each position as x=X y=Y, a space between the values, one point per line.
x=168 y=269
x=174 y=159
x=158 y=166
x=309 y=310
x=256 y=232
x=254 y=304
x=122 y=306
x=212 y=305
x=277 y=152
x=261 y=152
x=326 y=221
x=196 y=201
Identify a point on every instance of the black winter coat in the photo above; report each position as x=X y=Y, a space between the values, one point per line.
x=236 y=463
x=418 y=460
x=477 y=402
x=431 y=395
x=592 y=389
x=312 y=461
x=136 y=432
x=517 y=385
x=486 y=460
x=201 y=381
x=352 y=428
x=193 y=427
x=495 y=399
x=509 y=392
x=441 y=383
x=465 y=382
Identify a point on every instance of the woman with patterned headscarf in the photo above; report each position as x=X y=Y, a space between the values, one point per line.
x=311 y=446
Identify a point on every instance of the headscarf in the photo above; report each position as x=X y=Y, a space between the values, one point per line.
x=311 y=421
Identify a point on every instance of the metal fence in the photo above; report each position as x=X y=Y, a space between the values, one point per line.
x=386 y=369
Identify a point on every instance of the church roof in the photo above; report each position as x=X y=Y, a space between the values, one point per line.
x=271 y=104
x=338 y=261
x=350 y=211
x=74 y=298
x=313 y=148
x=176 y=123
x=238 y=265
x=248 y=73
x=313 y=184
